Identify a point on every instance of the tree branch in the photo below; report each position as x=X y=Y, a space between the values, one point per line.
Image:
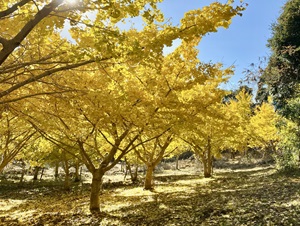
x=34 y=95
x=10 y=45
x=13 y=8
x=45 y=74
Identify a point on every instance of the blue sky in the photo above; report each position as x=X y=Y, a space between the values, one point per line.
x=243 y=43
x=245 y=40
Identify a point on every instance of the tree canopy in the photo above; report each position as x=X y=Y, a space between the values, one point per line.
x=282 y=74
x=32 y=50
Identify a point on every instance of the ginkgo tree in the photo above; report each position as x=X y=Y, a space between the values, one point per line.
x=32 y=49
x=207 y=133
x=230 y=125
x=188 y=89
x=204 y=124
x=263 y=127
x=15 y=135
x=120 y=82
x=239 y=113
x=251 y=127
x=114 y=109
x=151 y=154
x=98 y=126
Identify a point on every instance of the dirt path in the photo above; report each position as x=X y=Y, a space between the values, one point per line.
x=256 y=196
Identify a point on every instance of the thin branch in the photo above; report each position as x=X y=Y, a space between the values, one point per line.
x=60 y=144
x=87 y=160
x=105 y=138
x=15 y=66
x=33 y=95
x=45 y=74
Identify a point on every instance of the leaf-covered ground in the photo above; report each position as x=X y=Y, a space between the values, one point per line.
x=252 y=196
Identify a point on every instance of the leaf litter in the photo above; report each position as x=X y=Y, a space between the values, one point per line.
x=252 y=196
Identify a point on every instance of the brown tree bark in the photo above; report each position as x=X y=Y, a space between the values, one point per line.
x=95 y=190
x=133 y=174
x=3 y=164
x=42 y=173
x=23 y=171
x=67 y=173
x=10 y=45
x=56 y=171
x=177 y=163
x=36 y=172
x=77 y=174
x=207 y=160
x=207 y=169
x=134 y=177
x=149 y=178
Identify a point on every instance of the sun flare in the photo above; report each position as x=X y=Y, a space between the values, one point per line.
x=71 y=2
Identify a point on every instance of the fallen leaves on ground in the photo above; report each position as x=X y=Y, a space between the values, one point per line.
x=256 y=196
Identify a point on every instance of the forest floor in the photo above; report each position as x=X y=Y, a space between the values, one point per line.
x=250 y=195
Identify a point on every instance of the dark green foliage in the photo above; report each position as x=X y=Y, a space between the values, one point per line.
x=282 y=74
x=233 y=94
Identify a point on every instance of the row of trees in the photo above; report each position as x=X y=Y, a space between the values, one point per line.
x=108 y=93
x=89 y=129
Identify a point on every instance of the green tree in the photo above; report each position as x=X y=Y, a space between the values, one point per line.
x=282 y=74
x=288 y=156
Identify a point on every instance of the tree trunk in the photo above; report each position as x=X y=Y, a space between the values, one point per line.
x=56 y=171
x=23 y=171
x=2 y=167
x=177 y=160
x=95 y=190
x=67 y=176
x=123 y=166
x=149 y=178
x=77 y=176
x=207 y=161
x=3 y=164
x=42 y=173
x=135 y=174
x=207 y=169
x=232 y=154
x=36 y=173
x=209 y=158
x=127 y=168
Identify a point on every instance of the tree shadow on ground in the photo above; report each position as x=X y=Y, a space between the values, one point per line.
x=173 y=178
x=244 y=197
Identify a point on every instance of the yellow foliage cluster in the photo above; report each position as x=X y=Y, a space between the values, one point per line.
x=108 y=90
